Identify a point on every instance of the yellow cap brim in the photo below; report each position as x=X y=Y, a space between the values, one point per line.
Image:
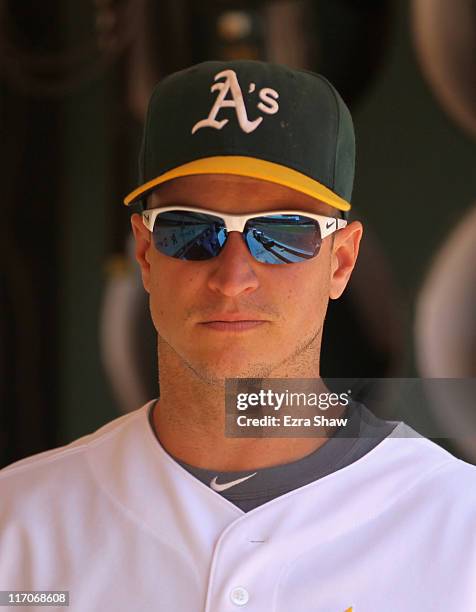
x=250 y=167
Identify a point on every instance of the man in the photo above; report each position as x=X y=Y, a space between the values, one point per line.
x=247 y=169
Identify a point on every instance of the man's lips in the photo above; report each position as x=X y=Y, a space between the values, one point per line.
x=232 y=318
x=233 y=322
x=232 y=326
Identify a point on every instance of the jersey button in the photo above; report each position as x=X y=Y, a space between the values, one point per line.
x=239 y=596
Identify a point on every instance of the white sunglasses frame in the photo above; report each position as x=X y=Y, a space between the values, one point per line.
x=236 y=223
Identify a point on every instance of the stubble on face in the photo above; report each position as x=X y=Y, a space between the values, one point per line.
x=304 y=358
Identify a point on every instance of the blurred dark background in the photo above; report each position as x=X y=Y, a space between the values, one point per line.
x=76 y=346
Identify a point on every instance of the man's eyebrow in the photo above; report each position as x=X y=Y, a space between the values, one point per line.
x=147 y=200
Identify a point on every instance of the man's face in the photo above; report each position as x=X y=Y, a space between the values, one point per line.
x=288 y=300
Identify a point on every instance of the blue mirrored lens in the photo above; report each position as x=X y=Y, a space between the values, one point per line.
x=280 y=239
x=188 y=235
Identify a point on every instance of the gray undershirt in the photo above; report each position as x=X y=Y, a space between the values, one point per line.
x=363 y=432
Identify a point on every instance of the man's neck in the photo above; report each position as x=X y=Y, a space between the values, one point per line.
x=189 y=421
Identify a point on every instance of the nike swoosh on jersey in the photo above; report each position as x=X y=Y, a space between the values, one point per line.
x=227 y=485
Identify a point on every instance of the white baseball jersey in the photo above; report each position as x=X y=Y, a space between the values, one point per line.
x=114 y=520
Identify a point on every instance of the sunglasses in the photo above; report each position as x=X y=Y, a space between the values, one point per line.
x=278 y=237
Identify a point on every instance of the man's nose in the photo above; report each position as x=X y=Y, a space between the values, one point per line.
x=234 y=269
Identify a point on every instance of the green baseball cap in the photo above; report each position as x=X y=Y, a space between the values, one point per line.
x=253 y=119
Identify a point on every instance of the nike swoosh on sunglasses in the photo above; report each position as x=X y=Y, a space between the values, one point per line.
x=277 y=237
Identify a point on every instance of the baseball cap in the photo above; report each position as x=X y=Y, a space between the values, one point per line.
x=253 y=119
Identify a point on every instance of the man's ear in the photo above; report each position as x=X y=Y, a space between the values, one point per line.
x=142 y=246
x=343 y=257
